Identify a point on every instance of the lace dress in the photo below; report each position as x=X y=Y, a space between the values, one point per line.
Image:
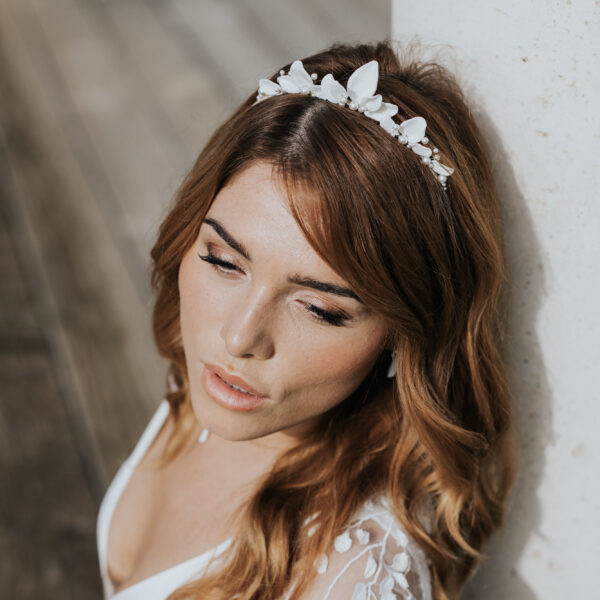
x=373 y=559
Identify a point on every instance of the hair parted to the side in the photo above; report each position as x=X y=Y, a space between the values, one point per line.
x=438 y=437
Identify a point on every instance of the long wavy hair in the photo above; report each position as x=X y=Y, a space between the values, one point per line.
x=438 y=437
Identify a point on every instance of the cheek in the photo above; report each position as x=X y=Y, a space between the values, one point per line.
x=194 y=301
x=341 y=360
x=331 y=372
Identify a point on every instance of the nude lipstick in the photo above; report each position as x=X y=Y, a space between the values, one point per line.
x=222 y=392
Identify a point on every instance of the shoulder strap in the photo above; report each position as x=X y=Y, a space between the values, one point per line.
x=152 y=429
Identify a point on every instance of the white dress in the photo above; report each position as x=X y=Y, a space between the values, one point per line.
x=374 y=559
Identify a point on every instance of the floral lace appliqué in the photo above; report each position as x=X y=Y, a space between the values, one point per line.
x=387 y=562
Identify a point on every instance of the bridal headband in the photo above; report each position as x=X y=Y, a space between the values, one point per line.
x=359 y=95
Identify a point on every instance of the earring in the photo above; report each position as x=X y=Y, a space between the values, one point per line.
x=392 y=368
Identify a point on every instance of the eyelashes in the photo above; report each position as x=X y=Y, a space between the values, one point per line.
x=333 y=318
x=323 y=316
x=213 y=260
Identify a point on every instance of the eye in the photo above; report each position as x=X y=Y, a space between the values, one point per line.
x=333 y=318
x=322 y=316
x=219 y=265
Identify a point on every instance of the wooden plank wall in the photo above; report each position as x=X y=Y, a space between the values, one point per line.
x=103 y=107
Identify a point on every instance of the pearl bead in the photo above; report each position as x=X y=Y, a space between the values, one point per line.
x=313 y=76
x=425 y=140
x=426 y=160
x=353 y=105
x=435 y=150
x=282 y=72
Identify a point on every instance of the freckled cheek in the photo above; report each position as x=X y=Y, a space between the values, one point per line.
x=335 y=370
x=200 y=305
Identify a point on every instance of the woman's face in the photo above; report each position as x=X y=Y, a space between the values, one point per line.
x=260 y=317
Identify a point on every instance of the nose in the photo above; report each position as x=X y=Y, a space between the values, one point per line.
x=246 y=332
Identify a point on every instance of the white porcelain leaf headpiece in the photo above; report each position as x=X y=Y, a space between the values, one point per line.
x=359 y=95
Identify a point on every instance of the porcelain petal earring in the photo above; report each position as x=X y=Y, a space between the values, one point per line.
x=392 y=368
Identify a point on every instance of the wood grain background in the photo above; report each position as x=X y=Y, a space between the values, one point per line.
x=104 y=105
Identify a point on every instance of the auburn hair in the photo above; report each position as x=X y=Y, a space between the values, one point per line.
x=438 y=436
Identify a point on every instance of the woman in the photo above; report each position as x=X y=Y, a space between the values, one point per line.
x=329 y=289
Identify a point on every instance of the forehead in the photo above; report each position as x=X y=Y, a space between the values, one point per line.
x=254 y=190
x=254 y=209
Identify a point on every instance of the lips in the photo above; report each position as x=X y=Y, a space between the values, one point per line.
x=234 y=379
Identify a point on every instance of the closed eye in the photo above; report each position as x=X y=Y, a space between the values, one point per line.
x=217 y=263
x=323 y=316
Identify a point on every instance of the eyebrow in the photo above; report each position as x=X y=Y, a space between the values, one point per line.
x=330 y=288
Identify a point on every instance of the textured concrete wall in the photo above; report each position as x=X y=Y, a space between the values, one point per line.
x=531 y=71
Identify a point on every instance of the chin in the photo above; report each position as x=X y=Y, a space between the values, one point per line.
x=228 y=425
